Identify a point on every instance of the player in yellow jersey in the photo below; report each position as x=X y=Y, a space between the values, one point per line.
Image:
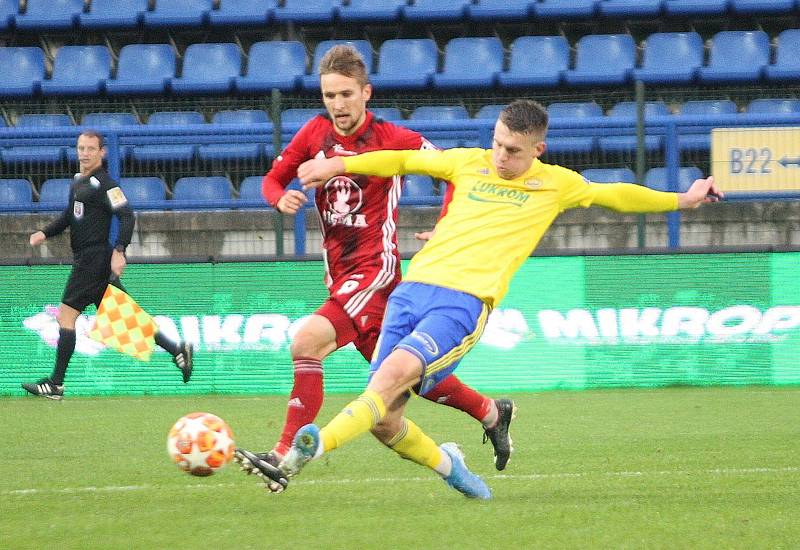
x=504 y=199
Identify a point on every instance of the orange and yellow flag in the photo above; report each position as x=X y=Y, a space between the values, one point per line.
x=122 y=324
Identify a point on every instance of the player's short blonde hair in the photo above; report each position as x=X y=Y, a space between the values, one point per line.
x=345 y=60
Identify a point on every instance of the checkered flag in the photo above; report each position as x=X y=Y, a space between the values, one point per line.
x=122 y=324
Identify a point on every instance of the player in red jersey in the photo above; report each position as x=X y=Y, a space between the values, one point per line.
x=358 y=220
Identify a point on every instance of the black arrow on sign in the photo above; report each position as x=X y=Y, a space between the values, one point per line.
x=785 y=161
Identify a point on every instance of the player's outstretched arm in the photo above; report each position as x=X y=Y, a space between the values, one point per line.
x=701 y=191
x=315 y=172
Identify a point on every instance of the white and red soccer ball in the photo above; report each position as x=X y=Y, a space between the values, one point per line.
x=200 y=443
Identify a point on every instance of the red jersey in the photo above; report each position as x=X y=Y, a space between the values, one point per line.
x=357 y=213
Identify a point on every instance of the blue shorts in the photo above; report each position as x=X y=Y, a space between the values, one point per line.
x=438 y=325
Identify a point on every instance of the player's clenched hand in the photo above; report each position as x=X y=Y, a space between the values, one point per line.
x=702 y=190
x=292 y=201
x=118 y=263
x=37 y=238
x=315 y=172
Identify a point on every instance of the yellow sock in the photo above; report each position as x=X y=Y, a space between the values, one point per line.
x=412 y=444
x=357 y=417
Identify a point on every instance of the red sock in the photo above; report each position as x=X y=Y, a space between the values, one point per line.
x=305 y=400
x=454 y=393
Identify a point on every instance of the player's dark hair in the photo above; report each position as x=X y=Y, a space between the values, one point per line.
x=525 y=116
x=95 y=134
x=345 y=60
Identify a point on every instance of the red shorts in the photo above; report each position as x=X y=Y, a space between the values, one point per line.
x=355 y=309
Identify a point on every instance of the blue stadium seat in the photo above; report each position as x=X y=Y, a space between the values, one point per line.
x=656 y=178
x=143 y=69
x=787 y=57
x=208 y=68
x=772 y=105
x=609 y=175
x=439 y=112
x=16 y=193
x=55 y=192
x=362 y=11
x=306 y=11
x=572 y=111
x=235 y=151
x=299 y=115
x=711 y=107
x=461 y=58
x=763 y=6
x=494 y=10
x=671 y=58
x=178 y=13
x=565 y=9
x=311 y=80
x=630 y=8
x=491 y=111
x=602 y=59
x=736 y=56
x=172 y=152
x=387 y=113
x=109 y=120
x=37 y=154
x=698 y=138
x=696 y=7
x=50 y=15
x=418 y=190
x=113 y=14
x=206 y=192
x=536 y=61
x=8 y=11
x=23 y=71
x=250 y=189
x=626 y=111
x=243 y=12
x=276 y=64
x=436 y=10
x=79 y=70
x=142 y=192
x=406 y=63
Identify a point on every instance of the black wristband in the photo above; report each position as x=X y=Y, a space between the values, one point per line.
x=120 y=248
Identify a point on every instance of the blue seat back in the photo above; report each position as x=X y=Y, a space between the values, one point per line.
x=182 y=7
x=15 y=192
x=387 y=113
x=539 y=54
x=464 y=55
x=21 y=65
x=598 y=53
x=439 y=112
x=43 y=121
x=277 y=58
x=399 y=56
x=731 y=50
x=146 y=62
x=175 y=118
x=673 y=50
x=242 y=116
x=656 y=178
x=211 y=61
x=54 y=10
x=418 y=185
x=628 y=109
x=772 y=105
x=139 y=190
x=787 y=53
x=609 y=175
x=109 y=119
x=299 y=115
x=79 y=64
x=363 y=47
x=491 y=111
x=708 y=107
x=250 y=188
x=198 y=188
x=574 y=110
x=55 y=191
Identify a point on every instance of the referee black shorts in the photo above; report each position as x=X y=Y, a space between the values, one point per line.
x=91 y=273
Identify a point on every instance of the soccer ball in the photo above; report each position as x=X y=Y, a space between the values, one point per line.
x=200 y=443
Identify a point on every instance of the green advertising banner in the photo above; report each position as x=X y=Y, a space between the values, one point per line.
x=566 y=323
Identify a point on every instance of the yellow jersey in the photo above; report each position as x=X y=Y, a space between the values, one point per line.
x=492 y=224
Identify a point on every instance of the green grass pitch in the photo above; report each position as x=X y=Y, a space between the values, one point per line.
x=669 y=468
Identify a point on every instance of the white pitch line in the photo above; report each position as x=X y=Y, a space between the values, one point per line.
x=368 y=480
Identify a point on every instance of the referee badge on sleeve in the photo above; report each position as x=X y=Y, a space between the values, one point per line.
x=116 y=197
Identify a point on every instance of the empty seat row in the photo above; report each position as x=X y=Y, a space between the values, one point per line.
x=668 y=58
x=102 y=14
